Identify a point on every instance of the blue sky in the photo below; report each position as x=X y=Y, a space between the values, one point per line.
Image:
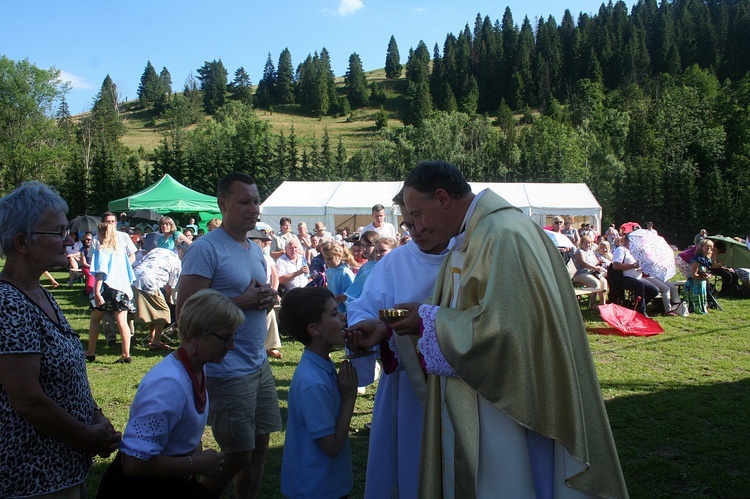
x=87 y=40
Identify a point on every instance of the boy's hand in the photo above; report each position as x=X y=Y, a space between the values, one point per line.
x=347 y=380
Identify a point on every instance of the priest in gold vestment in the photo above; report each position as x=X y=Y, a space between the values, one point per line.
x=513 y=407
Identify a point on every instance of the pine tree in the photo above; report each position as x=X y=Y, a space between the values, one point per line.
x=166 y=80
x=150 y=86
x=265 y=91
x=213 y=77
x=418 y=64
x=392 y=61
x=241 y=87
x=419 y=103
x=381 y=119
x=284 y=89
x=329 y=82
x=356 y=83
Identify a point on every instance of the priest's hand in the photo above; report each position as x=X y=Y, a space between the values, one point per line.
x=365 y=334
x=411 y=323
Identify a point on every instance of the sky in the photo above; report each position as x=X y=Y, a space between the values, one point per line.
x=86 y=40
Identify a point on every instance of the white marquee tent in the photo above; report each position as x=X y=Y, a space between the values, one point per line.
x=339 y=204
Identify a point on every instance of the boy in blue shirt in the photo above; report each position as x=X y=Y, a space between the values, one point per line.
x=317 y=458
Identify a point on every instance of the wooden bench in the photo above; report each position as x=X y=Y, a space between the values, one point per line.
x=582 y=293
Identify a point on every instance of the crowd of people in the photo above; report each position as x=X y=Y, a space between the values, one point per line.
x=604 y=262
x=475 y=373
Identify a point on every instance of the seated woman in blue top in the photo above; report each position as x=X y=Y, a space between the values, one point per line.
x=171 y=237
x=161 y=452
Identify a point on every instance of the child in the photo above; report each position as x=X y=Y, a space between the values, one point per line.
x=317 y=459
x=383 y=246
x=339 y=275
x=367 y=243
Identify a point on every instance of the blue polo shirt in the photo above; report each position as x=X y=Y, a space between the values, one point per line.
x=314 y=405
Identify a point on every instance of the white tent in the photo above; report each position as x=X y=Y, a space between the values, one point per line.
x=339 y=204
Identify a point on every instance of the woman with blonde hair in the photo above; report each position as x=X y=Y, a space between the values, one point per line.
x=700 y=271
x=161 y=452
x=339 y=275
x=112 y=290
x=590 y=271
x=171 y=238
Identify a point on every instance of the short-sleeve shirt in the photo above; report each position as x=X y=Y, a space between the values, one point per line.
x=623 y=255
x=159 y=268
x=279 y=242
x=231 y=268
x=32 y=463
x=285 y=266
x=163 y=419
x=338 y=281
x=123 y=240
x=387 y=230
x=168 y=242
x=314 y=405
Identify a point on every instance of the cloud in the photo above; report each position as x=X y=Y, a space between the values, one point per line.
x=76 y=82
x=419 y=9
x=347 y=7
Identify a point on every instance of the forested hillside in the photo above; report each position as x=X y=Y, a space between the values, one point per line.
x=651 y=108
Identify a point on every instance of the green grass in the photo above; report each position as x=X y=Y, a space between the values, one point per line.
x=678 y=402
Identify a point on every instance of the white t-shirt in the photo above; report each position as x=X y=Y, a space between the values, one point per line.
x=623 y=255
x=387 y=230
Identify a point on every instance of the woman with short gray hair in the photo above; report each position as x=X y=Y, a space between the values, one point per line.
x=51 y=424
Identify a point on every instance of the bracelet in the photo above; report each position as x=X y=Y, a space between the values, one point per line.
x=192 y=467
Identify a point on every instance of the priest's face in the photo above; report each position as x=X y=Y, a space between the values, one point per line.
x=429 y=215
x=426 y=242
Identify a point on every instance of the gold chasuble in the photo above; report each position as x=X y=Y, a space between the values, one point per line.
x=516 y=340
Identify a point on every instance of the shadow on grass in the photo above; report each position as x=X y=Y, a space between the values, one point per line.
x=684 y=441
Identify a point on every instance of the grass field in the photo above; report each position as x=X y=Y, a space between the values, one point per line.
x=678 y=402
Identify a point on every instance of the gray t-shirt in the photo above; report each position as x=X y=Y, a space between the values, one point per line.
x=231 y=268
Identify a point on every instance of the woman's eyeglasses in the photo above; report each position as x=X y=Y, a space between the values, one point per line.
x=225 y=339
x=63 y=233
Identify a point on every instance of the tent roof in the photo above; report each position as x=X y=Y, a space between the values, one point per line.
x=167 y=196
x=311 y=201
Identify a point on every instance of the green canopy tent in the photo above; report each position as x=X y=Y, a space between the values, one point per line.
x=169 y=196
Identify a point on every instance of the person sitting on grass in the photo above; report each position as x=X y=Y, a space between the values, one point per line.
x=317 y=460
x=161 y=452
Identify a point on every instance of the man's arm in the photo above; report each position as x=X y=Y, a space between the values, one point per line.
x=189 y=285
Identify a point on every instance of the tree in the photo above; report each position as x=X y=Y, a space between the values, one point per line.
x=392 y=61
x=213 y=77
x=419 y=103
x=381 y=119
x=265 y=90
x=356 y=83
x=30 y=142
x=150 y=87
x=418 y=64
x=241 y=87
x=284 y=89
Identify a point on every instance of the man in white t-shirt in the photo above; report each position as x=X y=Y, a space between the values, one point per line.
x=379 y=224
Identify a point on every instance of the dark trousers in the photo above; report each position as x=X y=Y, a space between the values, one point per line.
x=641 y=289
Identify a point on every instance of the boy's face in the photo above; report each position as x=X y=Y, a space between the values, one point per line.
x=331 y=324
